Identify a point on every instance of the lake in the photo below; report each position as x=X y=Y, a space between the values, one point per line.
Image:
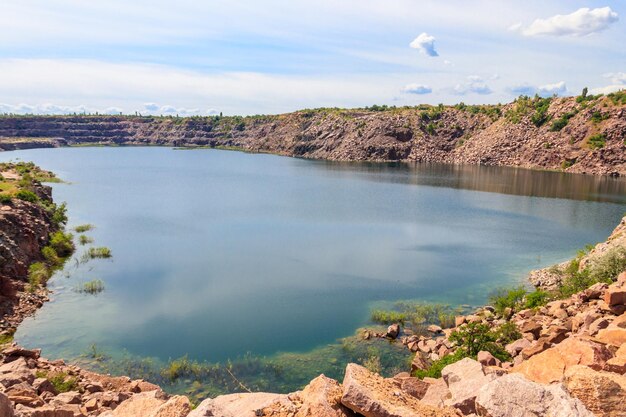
x=221 y=254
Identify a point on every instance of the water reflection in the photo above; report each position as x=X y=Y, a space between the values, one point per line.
x=504 y=180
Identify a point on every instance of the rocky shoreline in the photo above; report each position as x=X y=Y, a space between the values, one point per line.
x=568 y=356
x=571 y=134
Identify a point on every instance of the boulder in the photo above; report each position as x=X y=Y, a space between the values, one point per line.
x=238 y=405
x=615 y=295
x=393 y=331
x=617 y=363
x=602 y=392
x=535 y=348
x=44 y=385
x=464 y=378
x=418 y=362
x=514 y=348
x=487 y=359
x=412 y=386
x=371 y=395
x=177 y=406
x=321 y=398
x=437 y=393
x=433 y=328
x=144 y=404
x=612 y=336
x=25 y=394
x=515 y=396
x=6 y=409
x=45 y=411
x=550 y=365
x=532 y=327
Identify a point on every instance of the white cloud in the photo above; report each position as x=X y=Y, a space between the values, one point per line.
x=425 y=43
x=545 y=90
x=582 y=22
x=550 y=89
x=475 y=85
x=417 y=89
x=607 y=89
x=151 y=107
x=616 y=77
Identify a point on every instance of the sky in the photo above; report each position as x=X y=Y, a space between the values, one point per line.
x=265 y=57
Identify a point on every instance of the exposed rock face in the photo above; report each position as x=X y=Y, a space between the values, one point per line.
x=514 y=396
x=464 y=379
x=451 y=135
x=602 y=392
x=549 y=366
x=239 y=405
x=372 y=396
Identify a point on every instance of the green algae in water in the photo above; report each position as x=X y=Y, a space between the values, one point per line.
x=283 y=372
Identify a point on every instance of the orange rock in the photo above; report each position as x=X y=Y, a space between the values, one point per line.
x=602 y=393
x=612 y=336
x=550 y=365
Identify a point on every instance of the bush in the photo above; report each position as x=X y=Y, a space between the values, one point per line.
x=38 y=274
x=5 y=199
x=561 y=122
x=52 y=259
x=62 y=243
x=536 y=298
x=507 y=333
x=61 y=381
x=26 y=195
x=59 y=214
x=475 y=337
x=609 y=266
x=596 y=141
x=434 y=370
x=504 y=298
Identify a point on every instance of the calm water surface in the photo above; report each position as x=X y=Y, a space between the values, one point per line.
x=220 y=253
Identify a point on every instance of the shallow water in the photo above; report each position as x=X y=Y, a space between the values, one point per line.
x=217 y=254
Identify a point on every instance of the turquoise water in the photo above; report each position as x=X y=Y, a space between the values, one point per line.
x=217 y=254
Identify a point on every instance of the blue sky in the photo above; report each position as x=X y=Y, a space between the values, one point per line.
x=252 y=57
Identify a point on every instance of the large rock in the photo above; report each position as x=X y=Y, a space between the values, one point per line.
x=45 y=411
x=617 y=363
x=321 y=398
x=144 y=404
x=238 y=405
x=604 y=393
x=437 y=393
x=550 y=365
x=177 y=406
x=514 y=348
x=615 y=295
x=612 y=336
x=411 y=385
x=371 y=395
x=515 y=396
x=6 y=409
x=464 y=379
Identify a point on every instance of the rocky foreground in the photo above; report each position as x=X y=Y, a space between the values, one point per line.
x=573 y=134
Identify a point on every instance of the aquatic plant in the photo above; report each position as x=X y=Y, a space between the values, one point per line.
x=99 y=252
x=38 y=274
x=83 y=228
x=95 y=286
x=62 y=243
x=84 y=240
x=415 y=314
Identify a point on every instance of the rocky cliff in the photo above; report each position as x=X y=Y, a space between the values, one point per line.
x=574 y=134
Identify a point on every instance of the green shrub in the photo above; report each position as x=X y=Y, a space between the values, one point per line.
x=507 y=333
x=38 y=274
x=504 y=298
x=62 y=243
x=5 y=199
x=59 y=214
x=608 y=266
x=434 y=370
x=26 y=195
x=61 y=381
x=431 y=129
x=536 y=298
x=596 y=141
x=51 y=257
x=5 y=339
x=540 y=116
x=561 y=122
x=475 y=337
x=598 y=116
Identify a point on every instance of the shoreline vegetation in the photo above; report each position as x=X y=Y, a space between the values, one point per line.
x=580 y=134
